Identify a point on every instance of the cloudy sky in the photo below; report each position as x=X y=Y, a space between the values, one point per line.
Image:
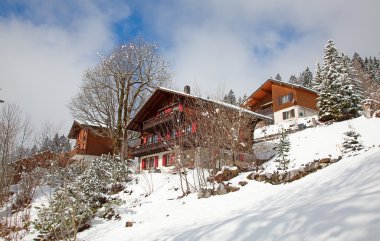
x=45 y=46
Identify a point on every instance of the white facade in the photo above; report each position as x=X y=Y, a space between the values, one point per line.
x=299 y=112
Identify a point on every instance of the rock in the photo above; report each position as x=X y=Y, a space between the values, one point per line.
x=220 y=190
x=243 y=183
x=262 y=177
x=268 y=175
x=128 y=224
x=323 y=165
x=231 y=188
x=204 y=193
x=313 y=166
x=325 y=160
x=251 y=176
x=294 y=174
x=226 y=174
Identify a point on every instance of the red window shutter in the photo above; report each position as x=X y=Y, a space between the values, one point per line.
x=164 y=160
x=144 y=140
x=155 y=161
x=167 y=136
x=143 y=164
x=180 y=107
x=193 y=127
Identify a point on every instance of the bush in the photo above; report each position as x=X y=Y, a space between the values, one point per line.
x=74 y=204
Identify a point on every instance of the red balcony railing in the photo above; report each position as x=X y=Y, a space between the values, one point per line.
x=163 y=115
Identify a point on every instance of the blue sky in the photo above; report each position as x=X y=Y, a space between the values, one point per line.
x=216 y=45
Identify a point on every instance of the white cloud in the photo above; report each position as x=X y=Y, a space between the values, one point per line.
x=44 y=54
x=239 y=44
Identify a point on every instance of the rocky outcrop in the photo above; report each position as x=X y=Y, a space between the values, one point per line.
x=279 y=177
x=226 y=174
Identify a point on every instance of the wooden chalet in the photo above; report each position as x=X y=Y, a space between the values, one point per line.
x=91 y=141
x=154 y=149
x=284 y=102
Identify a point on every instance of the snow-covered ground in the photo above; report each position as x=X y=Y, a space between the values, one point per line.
x=340 y=202
x=324 y=141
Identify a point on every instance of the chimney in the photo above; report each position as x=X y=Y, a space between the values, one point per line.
x=186 y=89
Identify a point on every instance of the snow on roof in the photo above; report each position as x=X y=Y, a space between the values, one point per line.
x=227 y=105
x=88 y=123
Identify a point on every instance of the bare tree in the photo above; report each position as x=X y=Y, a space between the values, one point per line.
x=13 y=130
x=117 y=87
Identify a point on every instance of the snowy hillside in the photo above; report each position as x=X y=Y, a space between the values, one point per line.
x=339 y=202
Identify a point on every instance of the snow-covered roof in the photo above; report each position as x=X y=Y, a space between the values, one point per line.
x=227 y=105
x=269 y=81
x=139 y=115
x=77 y=125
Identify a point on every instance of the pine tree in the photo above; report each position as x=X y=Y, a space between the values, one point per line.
x=317 y=82
x=230 y=98
x=278 y=77
x=351 y=141
x=306 y=78
x=337 y=99
x=293 y=79
x=283 y=150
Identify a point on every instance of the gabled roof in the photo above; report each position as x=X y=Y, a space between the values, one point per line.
x=266 y=88
x=78 y=125
x=161 y=92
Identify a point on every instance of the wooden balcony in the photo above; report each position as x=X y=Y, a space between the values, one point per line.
x=267 y=111
x=163 y=116
x=161 y=145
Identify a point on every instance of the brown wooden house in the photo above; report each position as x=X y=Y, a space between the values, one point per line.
x=91 y=141
x=155 y=147
x=282 y=101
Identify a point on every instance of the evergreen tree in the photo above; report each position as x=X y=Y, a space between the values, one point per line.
x=337 y=98
x=352 y=94
x=278 y=77
x=293 y=79
x=283 y=150
x=230 y=98
x=351 y=141
x=306 y=78
x=317 y=82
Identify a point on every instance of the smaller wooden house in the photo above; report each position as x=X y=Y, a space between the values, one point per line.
x=91 y=141
x=284 y=102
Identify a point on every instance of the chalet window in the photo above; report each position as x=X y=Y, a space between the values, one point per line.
x=155 y=138
x=174 y=132
x=285 y=99
x=166 y=160
x=188 y=130
x=149 y=163
x=288 y=114
x=149 y=140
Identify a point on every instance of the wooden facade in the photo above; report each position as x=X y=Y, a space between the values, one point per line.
x=90 y=140
x=165 y=119
x=280 y=98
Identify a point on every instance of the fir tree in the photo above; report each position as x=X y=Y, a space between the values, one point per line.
x=293 y=79
x=278 y=77
x=351 y=141
x=283 y=150
x=337 y=98
x=230 y=98
x=317 y=82
x=306 y=78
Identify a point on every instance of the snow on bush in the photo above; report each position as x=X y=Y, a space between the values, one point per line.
x=351 y=141
x=76 y=202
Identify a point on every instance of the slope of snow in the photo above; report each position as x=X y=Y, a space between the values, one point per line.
x=325 y=141
x=340 y=202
